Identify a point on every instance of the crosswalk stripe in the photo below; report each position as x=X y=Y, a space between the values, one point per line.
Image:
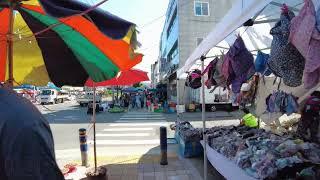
x=128 y=129
x=127 y=118
x=125 y=134
x=138 y=124
x=142 y=115
x=139 y=121
x=126 y=142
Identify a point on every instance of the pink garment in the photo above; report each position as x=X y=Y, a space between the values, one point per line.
x=305 y=37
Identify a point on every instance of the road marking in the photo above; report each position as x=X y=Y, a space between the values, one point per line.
x=125 y=134
x=138 y=124
x=139 y=121
x=128 y=129
x=142 y=118
x=126 y=142
x=155 y=115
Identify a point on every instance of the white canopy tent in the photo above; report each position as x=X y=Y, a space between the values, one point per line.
x=264 y=13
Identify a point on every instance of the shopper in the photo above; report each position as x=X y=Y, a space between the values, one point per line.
x=149 y=103
x=249 y=119
x=26 y=146
x=142 y=100
x=138 y=102
x=309 y=125
x=133 y=101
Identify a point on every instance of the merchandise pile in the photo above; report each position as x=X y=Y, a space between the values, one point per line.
x=264 y=155
x=187 y=132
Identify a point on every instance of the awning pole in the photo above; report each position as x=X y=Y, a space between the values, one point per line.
x=178 y=101
x=205 y=173
x=10 y=46
x=94 y=127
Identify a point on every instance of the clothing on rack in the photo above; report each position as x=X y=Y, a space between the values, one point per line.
x=285 y=60
x=242 y=64
x=280 y=101
x=305 y=37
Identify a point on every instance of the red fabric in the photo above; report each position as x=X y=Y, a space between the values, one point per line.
x=126 y=78
x=4 y=27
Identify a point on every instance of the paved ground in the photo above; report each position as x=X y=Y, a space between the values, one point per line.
x=123 y=139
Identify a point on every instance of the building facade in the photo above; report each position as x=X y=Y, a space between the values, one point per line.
x=187 y=23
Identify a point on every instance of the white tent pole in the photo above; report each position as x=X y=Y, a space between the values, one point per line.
x=204 y=122
x=94 y=127
x=178 y=101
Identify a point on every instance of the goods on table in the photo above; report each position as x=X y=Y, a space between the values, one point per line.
x=264 y=155
x=188 y=139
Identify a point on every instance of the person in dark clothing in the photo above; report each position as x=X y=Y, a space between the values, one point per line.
x=26 y=146
x=309 y=125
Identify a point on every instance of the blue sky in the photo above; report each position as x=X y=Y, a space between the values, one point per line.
x=141 y=12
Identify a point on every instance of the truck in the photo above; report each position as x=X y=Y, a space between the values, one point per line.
x=52 y=96
x=218 y=99
x=85 y=99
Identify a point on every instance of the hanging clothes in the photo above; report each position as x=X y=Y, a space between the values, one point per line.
x=242 y=65
x=215 y=76
x=318 y=18
x=194 y=79
x=285 y=60
x=280 y=101
x=260 y=64
x=305 y=37
x=210 y=70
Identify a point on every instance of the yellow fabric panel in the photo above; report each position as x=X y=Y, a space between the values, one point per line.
x=28 y=64
x=128 y=37
x=31 y=2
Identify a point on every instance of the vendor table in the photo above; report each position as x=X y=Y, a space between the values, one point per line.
x=224 y=166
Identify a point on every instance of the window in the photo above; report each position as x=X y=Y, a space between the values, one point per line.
x=172 y=21
x=173 y=52
x=201 y=8
x=199 y=40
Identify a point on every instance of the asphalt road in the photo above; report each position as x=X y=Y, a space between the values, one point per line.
x=130 y=133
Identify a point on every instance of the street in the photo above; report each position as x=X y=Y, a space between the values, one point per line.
x=132 y=133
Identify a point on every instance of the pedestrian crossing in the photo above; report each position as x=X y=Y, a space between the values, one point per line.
x=133 y=128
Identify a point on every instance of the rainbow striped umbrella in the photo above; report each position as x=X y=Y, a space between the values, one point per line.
x=37 y=47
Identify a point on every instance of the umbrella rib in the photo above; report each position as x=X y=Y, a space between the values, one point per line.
x=80 y=14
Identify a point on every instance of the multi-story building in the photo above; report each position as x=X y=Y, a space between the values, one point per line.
x=155 y=78
x=187 y=23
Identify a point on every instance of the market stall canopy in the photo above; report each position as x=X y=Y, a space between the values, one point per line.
x=124 y=78
x=264 y=12
x=130 y=90
x=65 y=51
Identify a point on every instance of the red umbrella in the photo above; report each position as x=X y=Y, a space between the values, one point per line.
x=124 y=78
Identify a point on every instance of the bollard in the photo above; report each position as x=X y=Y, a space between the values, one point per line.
x=163 y=145
x=83 y=146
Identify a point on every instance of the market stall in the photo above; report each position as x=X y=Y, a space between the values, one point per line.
x=251 y=30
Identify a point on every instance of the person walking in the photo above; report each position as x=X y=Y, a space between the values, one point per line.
x=148 y=103
x=133 y=101
x=138 y=100
x=142 y=100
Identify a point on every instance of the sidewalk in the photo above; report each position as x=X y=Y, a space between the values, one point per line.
x=143 y=167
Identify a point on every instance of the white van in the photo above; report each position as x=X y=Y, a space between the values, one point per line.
x=48 y=96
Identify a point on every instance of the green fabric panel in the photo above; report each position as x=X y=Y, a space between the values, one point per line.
x=97 y=64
